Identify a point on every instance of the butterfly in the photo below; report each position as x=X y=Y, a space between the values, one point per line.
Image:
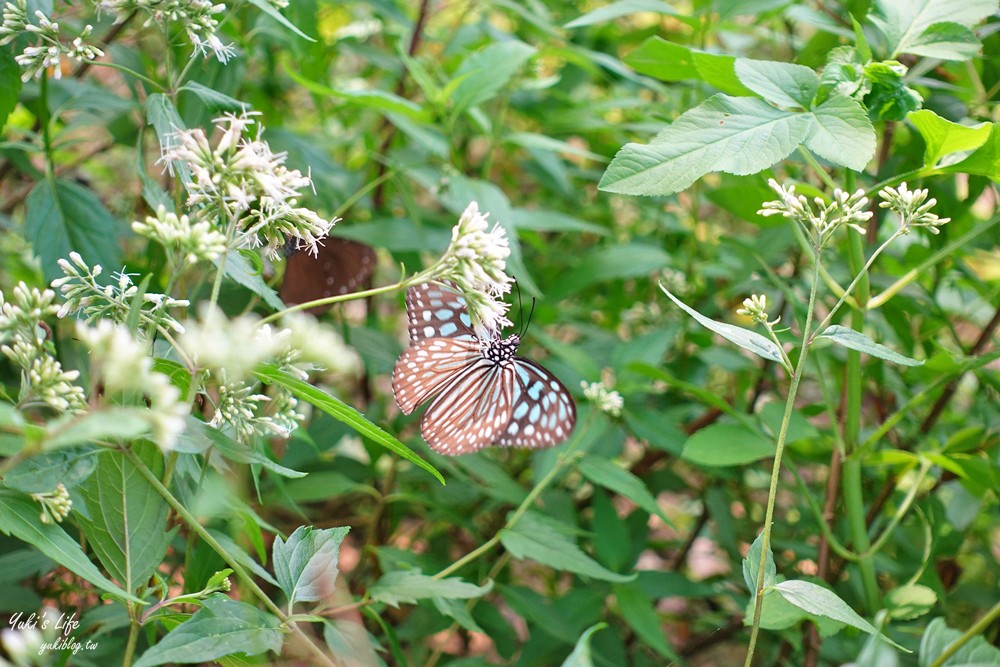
x=341 y=266
x=482 y=394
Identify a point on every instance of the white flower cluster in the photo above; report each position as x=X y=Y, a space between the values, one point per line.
x=913 y=208
x=184 y=242
x=194 y=16
x=23 y=339
x=248 y=415
x=845 y=210
x=476 y=261
x=56 y=505
x=754 y=307
x=245 y=185
x=113 y=301
x=48 y=50
x=608 y=402
x=125 y=369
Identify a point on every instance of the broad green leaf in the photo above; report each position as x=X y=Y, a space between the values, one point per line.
x=307 y=565
x=637 y=610
x=553 y=221
x=719 y=70
x=842 y=134
x=748 y=340
x=152 y=192
x=786 y=85
x=977 y=652
x=342 y=412
x=543 y=142
x=534 y=537
x=239 y=270
x=855 y=340
x=731 y=134
x=221 y=627
x=889 y=98
x=108 y=424
x=408 y=586
x=580 y=657
x=128 y=518
x=213 y=99
x=10 y=84
x=378 y=100
x=984 y=161
x=613 y=262
x=178 y=373
x=44 y=472
x=910 y=601
x=162 y=115
x=943 y=137
x=621 y=481
x=618 y=9
x=272 y=11
x=726 y=445
x=458 y=612
x=663 y=60
x=903 y=22
x=820 y=601
x=612 y=545
x=235 y=451
x=946 y=41
x=19 y=518
x=487 y=71
x=242 y=557
x=348 y=637
x=751 y=566
x=63 y=216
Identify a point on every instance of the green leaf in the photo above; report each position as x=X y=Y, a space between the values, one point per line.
x=10 y=84
x=221 y=627
x=615 y=478
x=213 y=99
x=984 y=161
x=19 y=518
x=62 y=216
x=719 y=70
x=534 y=537
x=235 y=451
x=842 y=134
x=889 y=98
x=239 y=270
x=663 y=60
x=152 y=192
x=977 y=652
x=178 y=373
x=782 y=84
x=731 y=134
x=44 y=472
x=379 y=100
x=580 y=657
x=946 y=41
x=406 y=587
x=855 y=340
x=943 y=137
x=271 y=10
x=748 y=340
x=553 y=221
x=483 y=74
x=162 y=115
x=111 y=424
x=306 y=566
x=751 y=566
x=341 y=411
x=618 y=9
x=726 y=445
x=128 y=518
x=637 y=610
x=458 y=612
x=820 y=601
x=615 y=262
x=903 y=22
x=910 y=601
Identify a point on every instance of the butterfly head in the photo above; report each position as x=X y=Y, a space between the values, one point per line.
x=499 y=350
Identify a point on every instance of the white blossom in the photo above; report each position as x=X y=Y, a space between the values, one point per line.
x=608 y=402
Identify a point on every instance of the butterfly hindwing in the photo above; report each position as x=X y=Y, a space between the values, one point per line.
x=469 y=413
x=339 y=266
x=437 y=311
x=542 y=411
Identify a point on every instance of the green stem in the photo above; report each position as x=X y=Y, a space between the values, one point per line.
x=238 y=569
x=133 y=638
x=977 y=629
x=776 y=466
x=330 y=300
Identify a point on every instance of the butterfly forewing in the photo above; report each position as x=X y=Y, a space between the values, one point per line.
x=437 y=311
x=472 y=411
x=542 y=411
x=428 y=366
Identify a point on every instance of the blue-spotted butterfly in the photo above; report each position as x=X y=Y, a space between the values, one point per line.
x=482 y=394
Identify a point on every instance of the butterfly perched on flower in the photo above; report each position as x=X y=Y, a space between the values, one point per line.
x=340 y=266
x=482 y=394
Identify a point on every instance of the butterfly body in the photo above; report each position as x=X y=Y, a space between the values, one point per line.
x=481 y=393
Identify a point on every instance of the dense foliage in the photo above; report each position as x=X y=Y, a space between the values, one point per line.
x=756 y=240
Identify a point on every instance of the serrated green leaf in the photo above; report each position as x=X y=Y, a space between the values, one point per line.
x=889 y=98
x=44 y=472
x=855 y=340
x=621 y=481
x=748 y=340
x=580 y=657
x=63 y=216
x=19 y=517
x=239 y=270
x=637 y=610
x=128 y=518
x=408 y=586
x=342 y=412
x=735 y=135
x=663 y=60
x=484 y=74
x=786 y=85
x=946 y=41
x=307 y=565
x=902 y=22
x=821 y=601
x=534 y=537
x=108 y=424
x=943 y=137
x=221 y=627
x=984 y=161
x=843 y=133
x=458 y=612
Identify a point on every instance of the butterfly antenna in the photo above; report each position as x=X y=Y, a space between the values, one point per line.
x=530 y=314
x=520 y=309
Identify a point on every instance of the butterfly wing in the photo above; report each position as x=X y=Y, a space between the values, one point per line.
x=471 y=410
x=542 y=411
x=340 y=266
x=437 y=311
x=428 y=366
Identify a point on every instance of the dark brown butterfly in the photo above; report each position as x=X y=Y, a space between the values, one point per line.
x=341 y=266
